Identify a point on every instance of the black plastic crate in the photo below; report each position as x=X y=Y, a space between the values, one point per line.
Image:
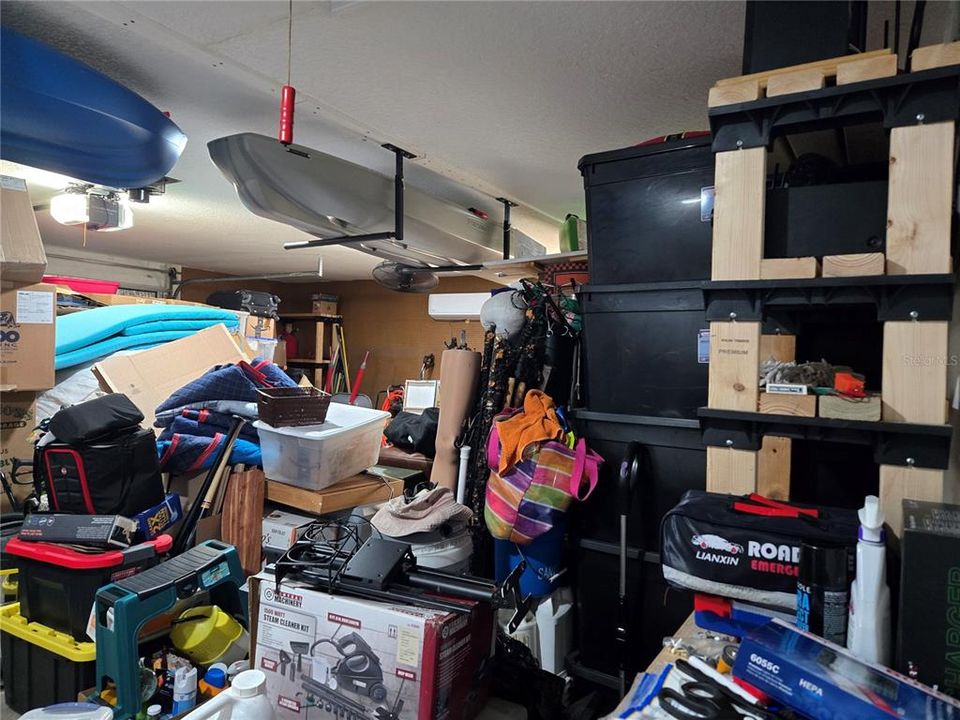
x=654 y=610
x=644 y=214
x=672 y=461
x=34 y=676
x=642 y=349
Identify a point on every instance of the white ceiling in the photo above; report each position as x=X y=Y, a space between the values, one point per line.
x=504 y=97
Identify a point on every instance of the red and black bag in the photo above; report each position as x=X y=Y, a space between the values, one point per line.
x=102 y=462
x=746 y=547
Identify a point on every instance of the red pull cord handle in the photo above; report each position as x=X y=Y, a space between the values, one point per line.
x=288 y=96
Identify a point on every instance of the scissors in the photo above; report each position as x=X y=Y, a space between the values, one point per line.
x=702 y=698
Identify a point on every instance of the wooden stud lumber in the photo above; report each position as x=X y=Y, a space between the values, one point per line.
x=915 y=372
x=854 y=265
x=779 y=347
x=734 y=373
x=358 y=490
x=740 y=189
x=796 y=81
x=731 y=471
x=784 y=404
x=788 y=268
x=866 y=409
x=734 y=93
x=899 y=482
x=829 y=67
x=773 y=467
x=871 y=68
x=919 y=199
x=934 y=56
x=243 y=517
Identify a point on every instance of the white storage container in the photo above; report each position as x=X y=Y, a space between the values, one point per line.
x=316 y=456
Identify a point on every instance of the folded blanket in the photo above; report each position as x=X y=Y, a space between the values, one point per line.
x=228 y=382
x=204 y=423
x=191 y=453
x=246 y=410
x=167 y=325
x=81 y=329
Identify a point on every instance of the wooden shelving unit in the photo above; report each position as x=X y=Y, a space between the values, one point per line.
x=746 y=449
x=317 y=333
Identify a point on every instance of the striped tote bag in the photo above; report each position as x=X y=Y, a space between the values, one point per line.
x=527 y=499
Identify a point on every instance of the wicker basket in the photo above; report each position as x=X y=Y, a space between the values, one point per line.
x=292 y=407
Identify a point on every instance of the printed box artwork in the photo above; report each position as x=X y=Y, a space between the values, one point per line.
x=364 y=659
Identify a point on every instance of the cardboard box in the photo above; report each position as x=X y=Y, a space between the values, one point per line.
x=18 y=417
x=282 y=529
x=928 y=641
x=819 y=679
x=424 y=664
x=27 y=336
x=150 y=377
x=325 y=307
x=22 y=258
x=117 y=299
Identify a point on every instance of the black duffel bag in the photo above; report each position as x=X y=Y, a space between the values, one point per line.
x=748 y=547
x=101 y=462
x=415 y=433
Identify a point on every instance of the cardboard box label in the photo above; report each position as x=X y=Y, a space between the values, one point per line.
x=408 y=646
x=34 y=308
x=12 y=183
x=279 y=627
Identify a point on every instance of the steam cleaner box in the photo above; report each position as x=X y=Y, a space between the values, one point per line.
x=928 y=639
x=359 y=658
x=824 y=681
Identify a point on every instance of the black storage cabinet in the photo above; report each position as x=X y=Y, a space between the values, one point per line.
x=642 y=354
x=648 y=212
x=654 y=610
x=673 y=460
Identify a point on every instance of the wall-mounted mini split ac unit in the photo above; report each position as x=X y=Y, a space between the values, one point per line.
x=456 y=306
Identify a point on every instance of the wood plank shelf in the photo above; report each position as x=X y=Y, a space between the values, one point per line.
x=894 y=443
x=306 y=361
x=311 y=316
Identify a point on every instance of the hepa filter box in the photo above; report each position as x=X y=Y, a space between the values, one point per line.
x=360 y=658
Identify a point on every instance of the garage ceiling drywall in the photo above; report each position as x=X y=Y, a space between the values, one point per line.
x=503 y=97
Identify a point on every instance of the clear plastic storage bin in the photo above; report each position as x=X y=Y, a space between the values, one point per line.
x=317 y=456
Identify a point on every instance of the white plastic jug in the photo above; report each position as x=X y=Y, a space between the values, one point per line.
x=245 y=699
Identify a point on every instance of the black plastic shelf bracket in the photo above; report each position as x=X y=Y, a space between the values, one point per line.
x=928 y=96
x=906 y=444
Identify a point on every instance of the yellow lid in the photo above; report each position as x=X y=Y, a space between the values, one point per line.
x=205 y=633
x=11 y=621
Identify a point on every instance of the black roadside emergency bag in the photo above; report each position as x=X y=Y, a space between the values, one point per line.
x=102 y=462
x=746 y=547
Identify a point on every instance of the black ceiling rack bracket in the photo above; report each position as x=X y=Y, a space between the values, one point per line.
x=903 y=444
x=895 y=297
x=395 y=235
x=928 y=96
x=507 y=204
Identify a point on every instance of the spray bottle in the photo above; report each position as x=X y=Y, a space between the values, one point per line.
x=868 y=628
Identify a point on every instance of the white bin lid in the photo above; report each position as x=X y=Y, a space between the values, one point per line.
x=339 y=418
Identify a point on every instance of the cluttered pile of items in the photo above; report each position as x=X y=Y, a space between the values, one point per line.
x=799 y=609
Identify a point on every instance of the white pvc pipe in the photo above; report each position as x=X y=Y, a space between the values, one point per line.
x=462 y=474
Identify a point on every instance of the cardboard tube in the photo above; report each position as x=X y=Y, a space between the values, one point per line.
x=459 y=375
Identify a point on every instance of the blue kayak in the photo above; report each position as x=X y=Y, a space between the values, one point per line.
x=60 y=115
